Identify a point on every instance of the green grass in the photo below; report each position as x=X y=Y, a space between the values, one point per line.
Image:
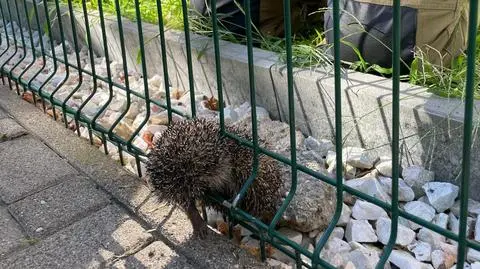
x=446 y=82
x=172 y=10
x=309 y=49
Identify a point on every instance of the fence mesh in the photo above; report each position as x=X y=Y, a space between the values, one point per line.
x=35 y=62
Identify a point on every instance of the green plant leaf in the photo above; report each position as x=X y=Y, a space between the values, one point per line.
x=139 y=56
x=31 y=13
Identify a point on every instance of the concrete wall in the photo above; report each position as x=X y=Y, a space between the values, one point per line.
x=431 y=126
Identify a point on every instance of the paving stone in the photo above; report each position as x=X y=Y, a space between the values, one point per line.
x=10 y=129
x=93 y=242
x=11 y=236
x=214 y=252
x=128 y=189
x=57 y=207
x=156 y=255
x=28 y=166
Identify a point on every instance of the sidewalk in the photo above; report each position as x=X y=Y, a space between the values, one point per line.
x=64 y=204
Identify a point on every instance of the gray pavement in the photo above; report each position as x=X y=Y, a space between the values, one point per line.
x=64 y=204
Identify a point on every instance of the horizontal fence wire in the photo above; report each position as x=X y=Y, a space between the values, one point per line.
x=23 y=63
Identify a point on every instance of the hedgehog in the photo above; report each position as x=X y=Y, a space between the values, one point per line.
x=193 y=158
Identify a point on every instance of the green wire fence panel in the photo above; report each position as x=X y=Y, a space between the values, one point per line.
x=48 y=55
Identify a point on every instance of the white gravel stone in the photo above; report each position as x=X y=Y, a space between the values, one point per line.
x=438 y=258
x=405 y=192
x=100 y=98
x=349 y=265
x=138 y=120
x=349 y=171
x=403 y=260
x=321 y=147
x=384 y=166
x=244 y=110
x=405 y=236
x=156 y=81
x=338 y=245
x=363 y=258
x=421 y=210
x=345 y=216
x=473 y=208
x=337 y=232
x=421 y=250
x=230 y=115
x=441 y=195
x=359 y=157
x=367 y=211
x=360 y=231
x=293 y=235
x=424 y=199
x=330 y=159
x=441 y=220
x=119 y=105
x=473 y=255
x=140 y=143
x=434 y=239
x=91 y=109
x=278 y=264
x=370 y=186
x=454 y=224
x=416 y=176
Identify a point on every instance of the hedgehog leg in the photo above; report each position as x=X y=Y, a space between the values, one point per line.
x=200 y=228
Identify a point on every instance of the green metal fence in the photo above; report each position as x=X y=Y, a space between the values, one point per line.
x=15 y=50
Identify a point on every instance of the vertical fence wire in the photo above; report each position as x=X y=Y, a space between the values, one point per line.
x=218 y=65
x=24 y=48
x=163 y=47
x=467 y=133
x=188 y=48
x=145 y=80
x=126 y=77
x=42 y=53
x=253 y=105
x=387 y=250
x=53 y=55
x=7 y=40
x=32 y=50
x=291 y=116
x=93 y=71
x=338 y=137
x=77 y=57
x=109 y=74
x=65 y=59
x=9 y=74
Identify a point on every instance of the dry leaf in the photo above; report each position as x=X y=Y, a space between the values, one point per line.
x=28 y=96
x=177 y=94
x=222 y=227
x=58 y=114
x=212 y=104
x=148 y=138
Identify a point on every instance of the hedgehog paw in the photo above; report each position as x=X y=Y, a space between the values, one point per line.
x=200 y=229
x=201 y=232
